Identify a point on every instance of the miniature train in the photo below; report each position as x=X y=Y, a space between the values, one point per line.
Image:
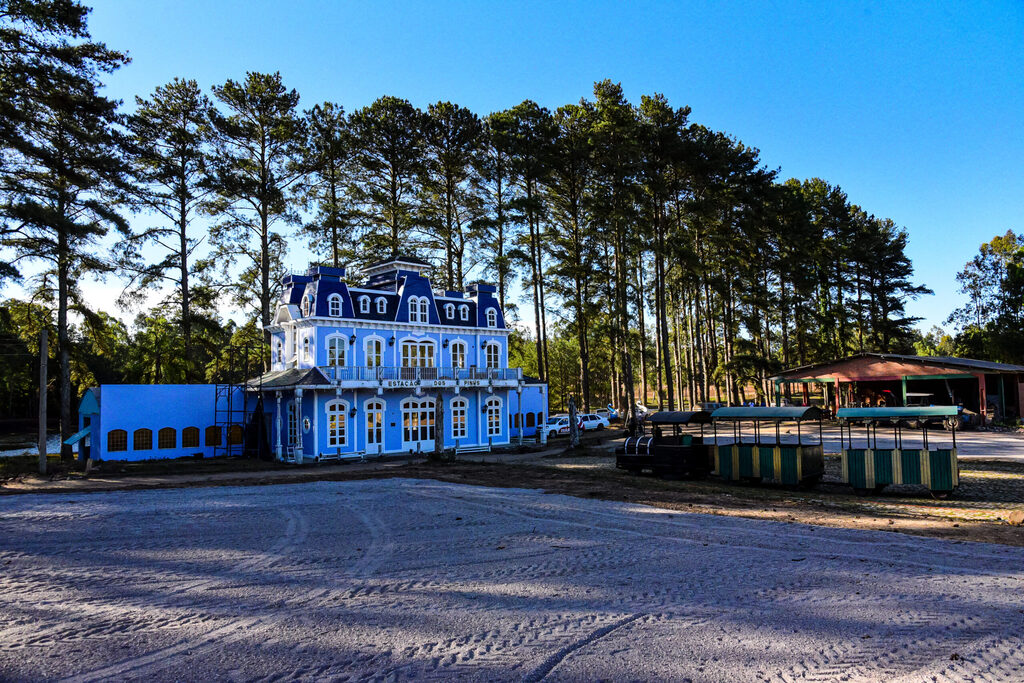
x=754 y=449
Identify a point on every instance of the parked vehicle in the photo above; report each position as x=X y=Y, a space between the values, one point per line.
x=557 y=425
x=593 y=421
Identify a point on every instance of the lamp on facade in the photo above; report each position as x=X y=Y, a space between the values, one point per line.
x=483 y=345
x=352 y=340
x=483 y=407
x=352 y=413
x=391 y=342
x=444 y=344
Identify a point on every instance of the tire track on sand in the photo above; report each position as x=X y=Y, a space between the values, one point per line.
x=548 y=665
x=295 y=534
x=145 y=666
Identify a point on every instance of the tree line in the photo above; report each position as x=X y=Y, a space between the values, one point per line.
x=647 y=257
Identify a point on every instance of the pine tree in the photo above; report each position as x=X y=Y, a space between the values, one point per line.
x=258 y=145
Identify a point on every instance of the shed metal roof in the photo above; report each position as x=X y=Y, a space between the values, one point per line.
x=947 y=361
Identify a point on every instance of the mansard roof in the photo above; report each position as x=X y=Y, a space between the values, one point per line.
x=396 y=287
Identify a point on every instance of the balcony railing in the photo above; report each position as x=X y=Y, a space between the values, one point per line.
x=345 y=373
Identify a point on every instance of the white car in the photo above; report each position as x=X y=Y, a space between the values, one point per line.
x=593 y=421
x=556 y=426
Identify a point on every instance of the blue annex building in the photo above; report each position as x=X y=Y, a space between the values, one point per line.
x=354 y=372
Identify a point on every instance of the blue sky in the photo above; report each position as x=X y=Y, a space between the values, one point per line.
x=914 y=108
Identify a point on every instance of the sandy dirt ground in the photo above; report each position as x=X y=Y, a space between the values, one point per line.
x=403 y=579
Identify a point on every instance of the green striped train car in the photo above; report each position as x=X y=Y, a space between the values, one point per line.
x=768 y=457
x=871 y=468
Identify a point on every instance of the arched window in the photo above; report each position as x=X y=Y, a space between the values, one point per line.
x=336 y=350
x=142 y=440
x=213 y=436
x=279 y=351
x=540 y=418
x=167 y=437
x=334 y=305
x=492 y=317
x=117 y=441
x=493 y=410
x=305 y=305
x=458 y=351
x=235 y=435
x=337 y=423
x=530 y=420
x=514 y=422
x=305 y=348
x=464 y=312
x=374 y=423
x=364 y=304
x=418 y=309
x=417 y=420
x=493 y=356
x=449 y=311
x=418 y=354
x=190 y=437
x=382 y=305
x=374 y=352
x=459 y=410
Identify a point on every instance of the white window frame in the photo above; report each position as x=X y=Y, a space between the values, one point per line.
x=382 y=305
x=465 y=353
x=420 y=358
x=337 y=423
x=307 y=304
x=334 y=306
x=418 y=309
x=374 y=410
x=449 y=311
x=493 y=416
x=279 y=350
x=492 y=347
x=418 y=421
x=340 y=342
x=464 y=312
x=364 y=304
x=307 y=343
x=492 y=317
x=292 y=420
x=368 y=356
x=460 y=409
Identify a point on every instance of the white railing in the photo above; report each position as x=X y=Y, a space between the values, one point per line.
x=380 y=373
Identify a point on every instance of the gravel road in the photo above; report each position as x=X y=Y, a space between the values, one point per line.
x=402 y=579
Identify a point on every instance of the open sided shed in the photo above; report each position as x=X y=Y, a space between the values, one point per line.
x=991 y=389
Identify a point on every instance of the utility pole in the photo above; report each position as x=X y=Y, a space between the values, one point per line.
x=42 y=400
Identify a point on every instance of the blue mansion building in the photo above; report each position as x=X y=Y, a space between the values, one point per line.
x=354 y=372
x=358 y=370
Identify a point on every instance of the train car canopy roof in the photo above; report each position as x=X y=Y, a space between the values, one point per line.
x=908 y=413
x=679 y=417
x=777 y=414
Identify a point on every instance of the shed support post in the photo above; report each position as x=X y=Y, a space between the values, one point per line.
x=903 y=386
x=778 y=392
x=982 y=397
x=837 y=394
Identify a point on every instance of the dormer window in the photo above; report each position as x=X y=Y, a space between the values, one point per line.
x=418 y=309
x=364 y=304
x=334 y=305
x=305 y=348
x=307 y=305
x=279 y=351
x=492 y=317
x=382 y=305
x=464 y=312
x=449 y=311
